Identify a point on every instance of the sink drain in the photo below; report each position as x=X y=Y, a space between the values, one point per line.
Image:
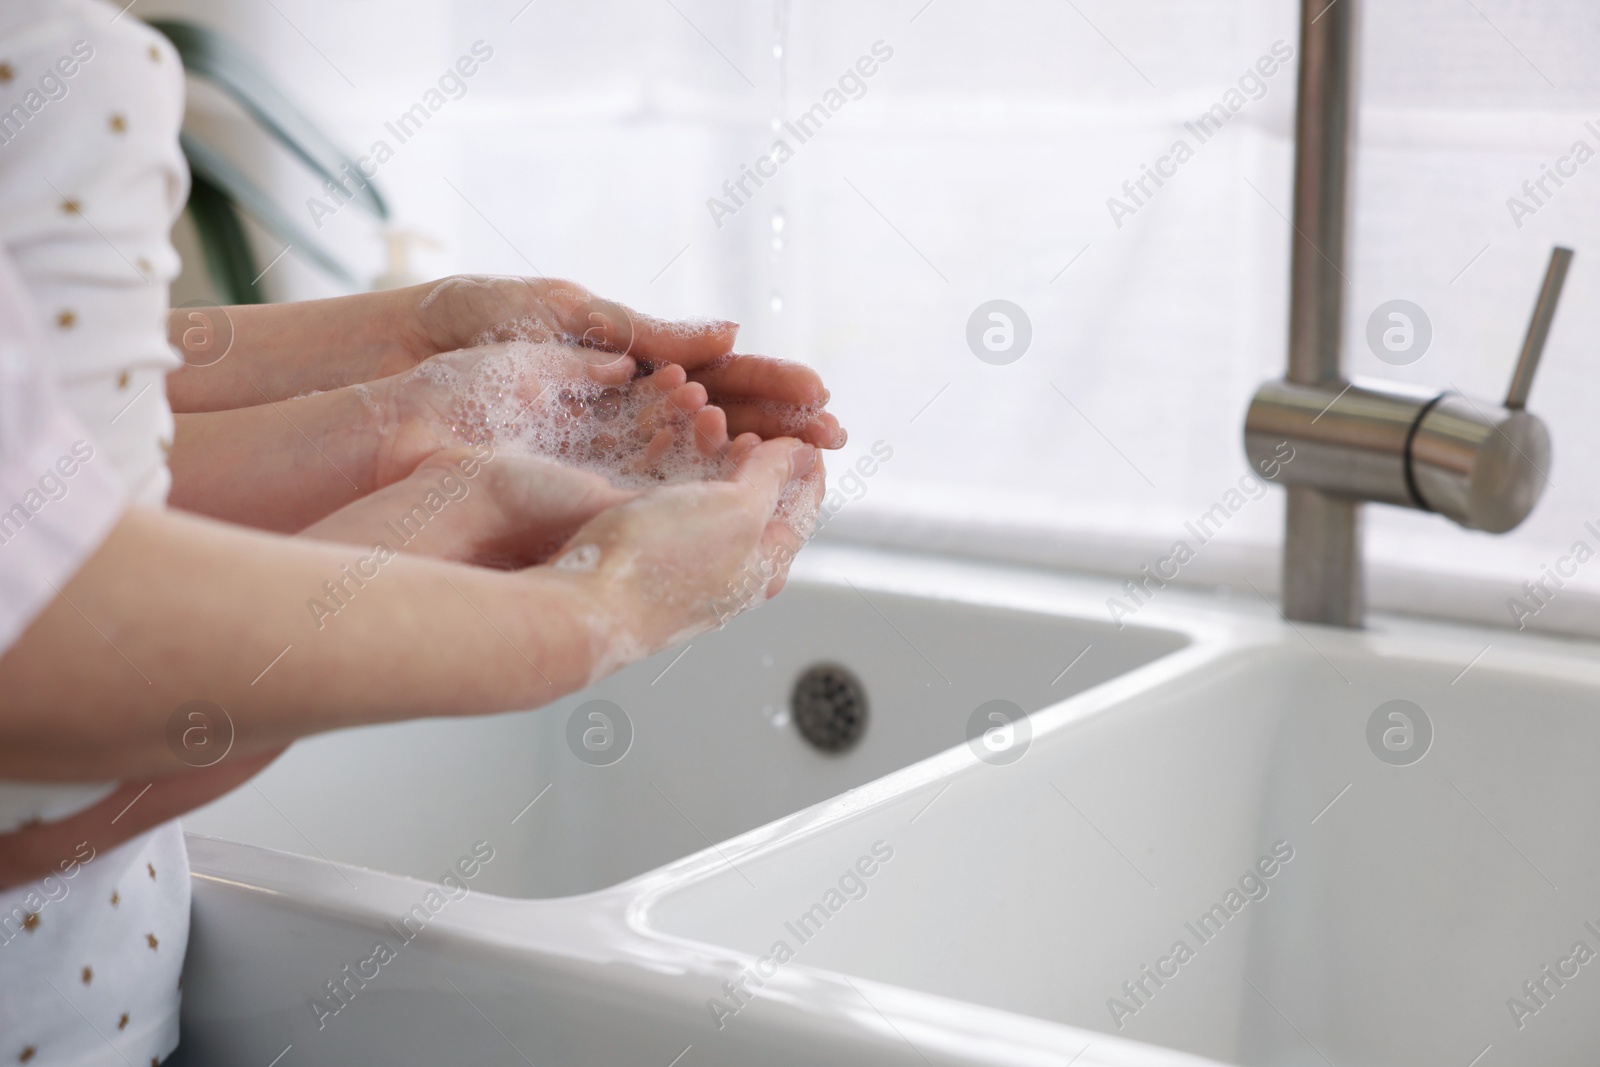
x=829 y=707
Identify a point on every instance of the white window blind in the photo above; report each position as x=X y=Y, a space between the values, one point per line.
x=976 y=163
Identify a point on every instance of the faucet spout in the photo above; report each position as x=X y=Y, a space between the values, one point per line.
x=1322 y=574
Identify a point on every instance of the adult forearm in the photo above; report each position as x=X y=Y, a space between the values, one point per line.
x=278 y=466
x=278 y=351
x=288 y=637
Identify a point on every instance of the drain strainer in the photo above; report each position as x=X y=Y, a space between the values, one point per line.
x=829 y=707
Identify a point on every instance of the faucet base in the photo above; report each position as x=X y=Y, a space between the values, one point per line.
x=1322 y=573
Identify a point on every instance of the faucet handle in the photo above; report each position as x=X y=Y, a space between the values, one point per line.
x=1544 y=312
x=1481 y=465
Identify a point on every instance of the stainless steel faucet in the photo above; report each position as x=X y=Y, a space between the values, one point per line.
x=1481 y=464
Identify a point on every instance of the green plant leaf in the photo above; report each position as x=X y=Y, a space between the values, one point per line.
x=220 y=174
x=210 y=55
x=229 y=261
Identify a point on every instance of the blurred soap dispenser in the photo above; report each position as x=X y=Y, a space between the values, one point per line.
x=399 y=273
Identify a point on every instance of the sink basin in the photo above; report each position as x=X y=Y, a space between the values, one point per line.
x=713 y=751
x=1347 y=886
x=1344 y=893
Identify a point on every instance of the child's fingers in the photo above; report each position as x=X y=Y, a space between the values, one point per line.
x=605 y=368
x=711 y=431
x=658 y=445
x=668 y=377
x=688 y=398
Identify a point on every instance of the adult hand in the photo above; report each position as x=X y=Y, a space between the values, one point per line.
x=761 y=395
x=659 y=568
x=240 y=357
x=680 y=560
x=460 y=505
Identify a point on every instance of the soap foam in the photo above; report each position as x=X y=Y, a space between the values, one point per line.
x=799 y=503
x=531 y=394
x=790 y=420
x=580 y=560
x=533 y=398
x=680 y=328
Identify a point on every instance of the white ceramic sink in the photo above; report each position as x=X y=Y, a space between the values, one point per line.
x=1019 y=897
x=1416 y=899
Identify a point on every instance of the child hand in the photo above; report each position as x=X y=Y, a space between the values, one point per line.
x=469 y=505
x=543 y=399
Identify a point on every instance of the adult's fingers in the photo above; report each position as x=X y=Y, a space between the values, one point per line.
x=462 y=311
x=743 y=377
x=793 y=525
x=690 y=343
x=819 y=428
x=608 y=326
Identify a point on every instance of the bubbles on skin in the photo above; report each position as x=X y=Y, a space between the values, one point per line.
x=529 y=329
x=580 y=560
x=790 y=419
x=665 y=579
x=368 y=400
x=604 y=429
x=528 y=395
x=799 y=504
x=682 y=328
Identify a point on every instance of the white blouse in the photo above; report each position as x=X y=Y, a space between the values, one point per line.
x=91 y=179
